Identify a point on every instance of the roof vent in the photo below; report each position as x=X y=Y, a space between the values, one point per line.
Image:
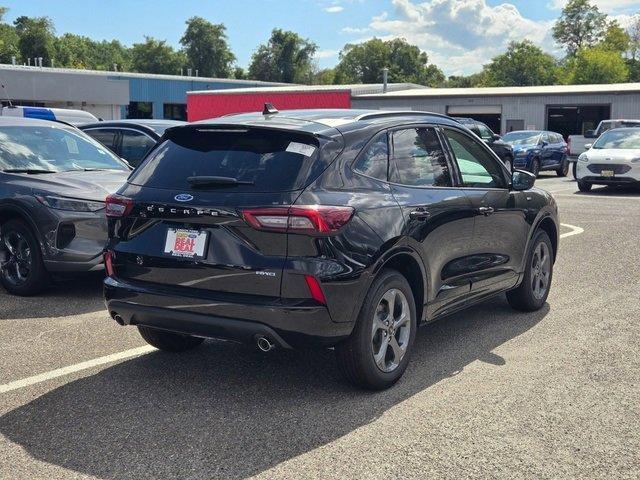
x=269 y=109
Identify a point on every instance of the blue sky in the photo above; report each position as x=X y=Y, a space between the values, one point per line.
x=458 y=35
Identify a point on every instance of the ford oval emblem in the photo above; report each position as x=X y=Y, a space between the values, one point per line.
x=184 y=197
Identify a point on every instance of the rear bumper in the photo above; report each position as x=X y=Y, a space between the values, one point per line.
x=289 y=324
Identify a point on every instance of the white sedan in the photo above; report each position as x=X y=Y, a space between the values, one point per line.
x=614 y=159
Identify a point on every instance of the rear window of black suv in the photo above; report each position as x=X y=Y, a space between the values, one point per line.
x=258 y=159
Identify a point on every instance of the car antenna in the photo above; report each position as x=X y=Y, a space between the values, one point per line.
x=269 y=109
x=6 y=92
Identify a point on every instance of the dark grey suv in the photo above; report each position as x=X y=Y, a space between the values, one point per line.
x=53 y=182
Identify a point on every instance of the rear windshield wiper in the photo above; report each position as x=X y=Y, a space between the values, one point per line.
x=210 y=181
x=28 y=170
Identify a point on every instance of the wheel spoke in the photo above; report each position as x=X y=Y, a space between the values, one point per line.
x=381 y=356
x=398 y=351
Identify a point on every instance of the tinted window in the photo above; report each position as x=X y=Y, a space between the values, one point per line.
x=53 y=149
x=134 y=146
x=522 y=138
x=419 y=159
x=485 y=133
x=374 y=160
x=106 y=137
x=263 y=160
x=477 y=167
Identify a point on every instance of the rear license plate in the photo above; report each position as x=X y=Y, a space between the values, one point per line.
x=186 y=243
x=607 y=173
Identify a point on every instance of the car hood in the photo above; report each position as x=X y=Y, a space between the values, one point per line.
x=608 y=154
x=80 y=184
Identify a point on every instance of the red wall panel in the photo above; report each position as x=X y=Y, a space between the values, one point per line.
x=202 y=106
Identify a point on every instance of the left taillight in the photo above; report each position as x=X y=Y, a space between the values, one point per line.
x=108 y=263
x=118 y=206
x=299 y=218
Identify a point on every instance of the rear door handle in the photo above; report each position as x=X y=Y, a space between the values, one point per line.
x=419 y=214
x=486 y=210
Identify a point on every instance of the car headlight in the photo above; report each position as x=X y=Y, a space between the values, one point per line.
x=522 y=153
x=583 y=158
x=69 y=204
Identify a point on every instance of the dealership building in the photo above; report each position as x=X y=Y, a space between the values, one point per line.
x=108 y=95
x=566 y=109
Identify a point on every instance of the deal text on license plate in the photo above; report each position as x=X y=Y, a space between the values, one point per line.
x=185 y=243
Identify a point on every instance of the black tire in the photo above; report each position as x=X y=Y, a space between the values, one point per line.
x=535 y=167
x=32 y=277
x=523 y=297
x=575 y=168
x=584 y=186
x=168 y=341
x=356 y=354
x=563 y=171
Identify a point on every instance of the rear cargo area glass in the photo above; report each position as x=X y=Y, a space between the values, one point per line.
x=261 y=160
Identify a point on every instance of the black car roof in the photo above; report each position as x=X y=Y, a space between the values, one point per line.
x=156 y=125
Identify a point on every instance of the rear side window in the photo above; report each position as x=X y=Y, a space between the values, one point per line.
x=135 y=145
x=261 y=160
x=418 y=158
x=374 y=161
x=105 y=136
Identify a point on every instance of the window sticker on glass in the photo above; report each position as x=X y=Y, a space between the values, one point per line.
x=301 y=148
x=72 y=145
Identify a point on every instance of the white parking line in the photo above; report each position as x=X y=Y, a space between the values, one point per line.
x=60 y=372
x=574 y=230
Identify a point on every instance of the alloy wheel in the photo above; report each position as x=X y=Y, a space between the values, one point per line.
x=18 y=265
x=540 y=270
x=391 y=330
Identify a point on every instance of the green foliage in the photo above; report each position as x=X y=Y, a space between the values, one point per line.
x=468 y=81
x=596 y=65
x=239 y=73
x=36 y=38
x=155 y=56
x=580 y=25
x=363 y=63
x=205 y=45
x=286 y=57
x=324 y=77
x=9 y=43
x=522 y=64
x=616 y=39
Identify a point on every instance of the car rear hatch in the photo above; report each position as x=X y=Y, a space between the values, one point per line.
x=187 y=218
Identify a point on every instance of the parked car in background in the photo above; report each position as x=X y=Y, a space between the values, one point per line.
x=53 y=182
x=501 y=148
x=73 y=117
x=129 y=139
x=614 y=159
x=342 y=228
x=538 y=150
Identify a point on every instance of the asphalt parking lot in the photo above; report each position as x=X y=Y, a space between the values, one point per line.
x=490 y=393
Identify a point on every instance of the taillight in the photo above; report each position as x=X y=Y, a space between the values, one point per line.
x=118 y=206
x=299 y=218
x=108 y=263
x=314 y=288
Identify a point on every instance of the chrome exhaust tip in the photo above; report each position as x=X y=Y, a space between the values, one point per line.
x=117 y=318
x=265 y=344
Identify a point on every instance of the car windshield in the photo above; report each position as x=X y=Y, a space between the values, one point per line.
x=522 y=138
x=52 y=149
x=623 y=139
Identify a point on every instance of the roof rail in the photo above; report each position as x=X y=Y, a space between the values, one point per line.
x=395 y=113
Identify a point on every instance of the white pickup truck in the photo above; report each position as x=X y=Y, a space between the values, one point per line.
x=577 y=142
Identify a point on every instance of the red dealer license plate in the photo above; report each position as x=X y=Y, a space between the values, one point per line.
x=186 y=243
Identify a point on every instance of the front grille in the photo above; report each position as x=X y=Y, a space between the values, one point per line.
x=617 y=168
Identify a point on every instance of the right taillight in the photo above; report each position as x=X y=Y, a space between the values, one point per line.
x=118 y=206
x=299 y=218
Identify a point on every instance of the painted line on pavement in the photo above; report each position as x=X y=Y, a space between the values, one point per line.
x=574 y=230
x=78 y=367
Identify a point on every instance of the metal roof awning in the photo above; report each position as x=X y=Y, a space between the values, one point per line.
x=474 y=109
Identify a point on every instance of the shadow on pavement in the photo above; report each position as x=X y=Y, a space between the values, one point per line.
x=224 y=411
x=71 y=296
x=615 y=191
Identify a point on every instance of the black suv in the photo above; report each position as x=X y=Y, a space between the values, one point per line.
x=334 y=228
x=499 y=146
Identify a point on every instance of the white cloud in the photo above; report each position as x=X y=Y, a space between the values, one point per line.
x=354 y=30
x=607 y=6
x=326 y=53
x=334 y=9
x=460 y=35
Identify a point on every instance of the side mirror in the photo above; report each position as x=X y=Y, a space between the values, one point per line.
x=496 y=137
x=587 y=146
x=590 y=134
x=521 y=180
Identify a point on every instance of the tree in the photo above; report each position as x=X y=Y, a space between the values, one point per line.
x=36 y=37
x=468 y=81
x=286 y=57
x=155 y=56
x=522 y=64
x=205 y=45
x=325 y=76
x=616 y=39
x=580 y=25
x=74 y=51
x=8 y=39
x=363 y=63
x=596 y=65
x=239 y=73
x=109 y=53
